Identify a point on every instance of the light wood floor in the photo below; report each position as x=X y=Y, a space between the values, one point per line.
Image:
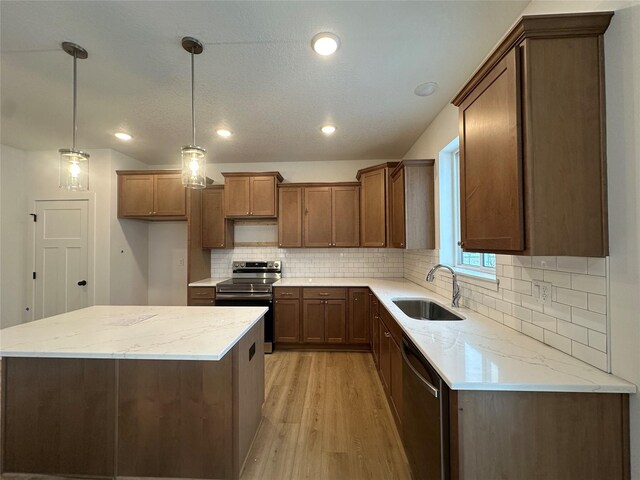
x=325 y=417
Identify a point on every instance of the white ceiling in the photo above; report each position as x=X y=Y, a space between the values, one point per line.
x=257 y=75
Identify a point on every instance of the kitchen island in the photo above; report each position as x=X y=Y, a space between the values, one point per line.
x=121 y=391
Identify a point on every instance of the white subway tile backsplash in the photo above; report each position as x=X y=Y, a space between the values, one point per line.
x=573 y=331
x=597 y=303
x=596 y=266
x=589 y=283
x=571 y=297
x=533 y=331
x=545 y=321
x=575 y=319
x=559 y=279
x=590 y=355
x=598 y=340
x=591 y=320
x=557 y=341
x=572 y=264
x=521 y=286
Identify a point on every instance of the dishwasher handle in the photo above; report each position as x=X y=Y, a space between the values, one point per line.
x=428 y=385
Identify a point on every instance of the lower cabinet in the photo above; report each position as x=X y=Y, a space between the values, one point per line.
x=201 y=296
x=390 y=362
x=374 y=314
x=322 y=317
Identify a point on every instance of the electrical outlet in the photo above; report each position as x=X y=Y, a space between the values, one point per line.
x=181 y=262
x=541 y=292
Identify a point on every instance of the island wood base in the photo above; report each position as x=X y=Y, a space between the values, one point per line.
x=142 y=418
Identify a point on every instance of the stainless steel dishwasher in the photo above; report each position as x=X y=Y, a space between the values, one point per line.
x=425 y=416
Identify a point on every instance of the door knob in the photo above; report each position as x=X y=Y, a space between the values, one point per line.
x=82 y=283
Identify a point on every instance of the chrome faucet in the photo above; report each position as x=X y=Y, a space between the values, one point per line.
x=455 y=295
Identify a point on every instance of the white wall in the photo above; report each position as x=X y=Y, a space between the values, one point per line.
x=168 y=263
x=622 y=57
x=128 y=244
x=13 y=228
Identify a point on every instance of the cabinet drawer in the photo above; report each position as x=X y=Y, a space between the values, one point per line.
x=202 y=302
x=325 y=293
x=391 y=324
x=202 y=292
x=287 y=293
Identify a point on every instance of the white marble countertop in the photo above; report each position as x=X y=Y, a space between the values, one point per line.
x=140 y=332
x=208 y=282
x=479 y=353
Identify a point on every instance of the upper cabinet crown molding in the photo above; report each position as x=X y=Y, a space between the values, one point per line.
x=253 y=174
x=533 y=142
x=537 y=26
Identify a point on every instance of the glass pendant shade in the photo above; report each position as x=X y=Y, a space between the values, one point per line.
x=193 y=167
x=74 y=169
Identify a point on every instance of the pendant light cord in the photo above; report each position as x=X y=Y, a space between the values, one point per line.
x=75 y=87
x=193 y=112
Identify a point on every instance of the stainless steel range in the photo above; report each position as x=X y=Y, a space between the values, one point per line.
x=250 y=286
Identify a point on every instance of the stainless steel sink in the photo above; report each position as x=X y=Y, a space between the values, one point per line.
x=422 y=309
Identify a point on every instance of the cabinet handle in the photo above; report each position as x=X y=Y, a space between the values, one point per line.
x=323 y=294
x=460 y=243
x=250 y=213
x=286 y=293
x=150 y=213
x=247 y=213
x=276 y=301
x=387 y=334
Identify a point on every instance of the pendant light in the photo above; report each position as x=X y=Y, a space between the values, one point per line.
x=193 y=159
x=74 y=163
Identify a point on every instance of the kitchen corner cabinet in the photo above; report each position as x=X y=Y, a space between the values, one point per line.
x=287 y=315
x=217 y=231
x=532 y=141
x=412 y=205
x=374 y=314
x=358 y=321
x=331 y=216
x=151 y=195
x=251 y=195
x=390 y=362
x=375 y=205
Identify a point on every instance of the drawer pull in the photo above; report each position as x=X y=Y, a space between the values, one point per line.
x=323 y=294
x=387 y=334
x=286 y=293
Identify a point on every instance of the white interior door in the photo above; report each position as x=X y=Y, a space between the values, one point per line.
x=61 y=257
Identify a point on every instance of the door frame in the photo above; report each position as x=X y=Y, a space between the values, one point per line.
x=90 y=198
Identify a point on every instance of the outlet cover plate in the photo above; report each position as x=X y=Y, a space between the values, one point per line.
x=542 y=292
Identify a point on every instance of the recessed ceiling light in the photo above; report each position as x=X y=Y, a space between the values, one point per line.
x=223 y=132
x=328 y=129
x=123 y=136
x=426 y=89
x=325 y=43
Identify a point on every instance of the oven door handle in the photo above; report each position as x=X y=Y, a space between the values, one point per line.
x=238 y=296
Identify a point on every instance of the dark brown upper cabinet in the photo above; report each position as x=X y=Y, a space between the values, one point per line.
x=251 y=195
x=151 y=195
x=375 y=212
x=532 y=141
x=217 y=231
x=412 y=205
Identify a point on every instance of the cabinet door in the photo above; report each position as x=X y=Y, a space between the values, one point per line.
x=345 y=218
x=385 y=355
x=217 y=232
x=169 y=195
x=397 y=210
x=373 y=207
x=491 y=184
x=287 y=321
x=236 y=196
x=313 y=320
x=336 y=320
x=263 y=196
x=317 y=217
x=135 y=195
x=375 y=328
x=358 y=318
x=290 y=217
x=395 y=387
